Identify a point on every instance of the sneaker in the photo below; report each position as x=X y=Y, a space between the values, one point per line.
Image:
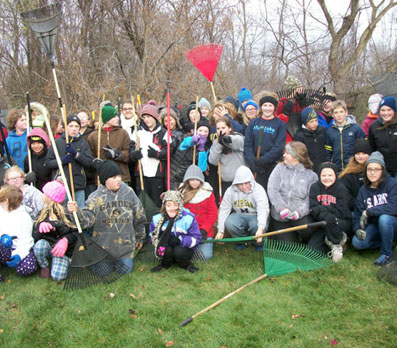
x=337 y=253
x=383 y=260
x=45 y=272
x=239 y=246
x=192 y=268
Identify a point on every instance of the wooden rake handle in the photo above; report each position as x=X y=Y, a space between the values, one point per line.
x=292 y=229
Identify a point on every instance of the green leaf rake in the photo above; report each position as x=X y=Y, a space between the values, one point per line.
x=279 y=258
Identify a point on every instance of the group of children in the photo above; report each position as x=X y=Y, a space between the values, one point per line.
x=241 y=167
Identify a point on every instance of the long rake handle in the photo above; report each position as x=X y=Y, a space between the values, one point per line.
x=137 y=146
x=223 y=299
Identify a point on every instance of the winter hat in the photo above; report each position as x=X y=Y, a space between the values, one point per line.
x=194 y=172
x=376 y=157
x=291 y=82
x=389 y=101
x=328 y=165
x=250 y=102
x=55 y=191
x=244 y=95
x=362 y=145
x=106 y=170
x=204 y=103
x=173 y=114
x=308 y=114
x=174 y=196
x=203 y=123
x=108 y=112
x=192 y=106
x=268 y=99
x=72 y=118
x=373 y=103
x=38 y=135
x=150 y=109
x=232 y=101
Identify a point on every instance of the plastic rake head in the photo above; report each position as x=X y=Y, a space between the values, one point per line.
x=205 y=58
x=309 y=97
x=388 y=272
x=284 y=257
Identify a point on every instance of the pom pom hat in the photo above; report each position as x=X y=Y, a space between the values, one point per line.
x=55 y=191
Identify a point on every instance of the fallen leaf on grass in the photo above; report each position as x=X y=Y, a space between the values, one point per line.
x=169 y=343
x=13 y=305
x=141 y=269
x=132 y=295
x=111 y=295
x=295 y=316
x=1 y=297
x=1 y=330
x=291 y=325
x=133 y=316
x=9 y=281
x=208 y=279
x=223 y=347
x=160 y=331
x=131 y=311
x=334 y=342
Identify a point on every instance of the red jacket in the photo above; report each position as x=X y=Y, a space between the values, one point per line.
x=204 y=208
x=285 y=119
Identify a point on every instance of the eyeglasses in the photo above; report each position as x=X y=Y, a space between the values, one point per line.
x=128 y=109
x=14 y=179
x=374 y=170
x=250 y=110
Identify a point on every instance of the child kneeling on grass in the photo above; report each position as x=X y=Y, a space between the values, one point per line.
x=175 y=234
x=54 y=234
x=115 y=215
x=200 y=200
x=16 y=233
x=329 y=202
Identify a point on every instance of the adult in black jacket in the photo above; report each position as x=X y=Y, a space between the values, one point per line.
x=382 y=135
x=313 y=136
x=328 y=202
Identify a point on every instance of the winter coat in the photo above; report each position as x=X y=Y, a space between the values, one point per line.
x=285 y=119
x=384 y=141
x=273 y=141
x=371 y=118
x=129 y=125
x=79 y=163
x=19 y=224
x=54 y=236
x=253 y=202
x=115 y=219
x=353 y=183
x=323 y=120
x=32 y=201
x=231 y=156
x=339 y=144
x=315 y=143
x=17 y=146
x=204 y=208
x=156 y=139
x=185 y=228
x=117 y=138
x=329 y=203
x=376 y=201
x=288 y=188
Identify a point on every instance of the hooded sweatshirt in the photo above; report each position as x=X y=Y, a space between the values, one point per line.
x=253 y=202
x=17 y=146
x=288 y=188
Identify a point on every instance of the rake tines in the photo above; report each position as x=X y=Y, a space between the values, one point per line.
x=305 y=97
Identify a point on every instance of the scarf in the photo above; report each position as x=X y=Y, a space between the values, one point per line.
x=160 y=238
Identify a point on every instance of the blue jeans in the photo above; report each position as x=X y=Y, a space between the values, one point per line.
x=207 y=249
x=241 y=225
x=380 y=235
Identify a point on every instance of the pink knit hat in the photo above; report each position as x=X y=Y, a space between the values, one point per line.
x=150 y=109
x=55 y=191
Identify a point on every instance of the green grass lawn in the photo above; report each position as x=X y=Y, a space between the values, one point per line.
x=343 y=305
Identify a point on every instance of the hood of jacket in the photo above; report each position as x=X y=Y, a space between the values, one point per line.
x=38 y=132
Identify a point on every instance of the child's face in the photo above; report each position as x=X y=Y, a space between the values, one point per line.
x=15 y=179
x=204 y=111
x=37 y=147
x=194 y=116
x=194 y=183
x=172 y=123
x=73 y=129
x=222 y=127
x=312 y=124
x=374 y=173
x=113 y=183
x=327 y=177
x=245 y=186
x=339 y=114
x=203 y=131
x=21 y=124
x=83 y=119
x=267 y=110
x=327 y=105
x=59 y=129
x=114 y=122
x=361 y=157
x=171 y=208
x=386 y=113
x=149 y=121
x=127 y=111
x=251 y=112
x=289 y=159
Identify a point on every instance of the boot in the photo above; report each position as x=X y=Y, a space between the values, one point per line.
x=45 y=272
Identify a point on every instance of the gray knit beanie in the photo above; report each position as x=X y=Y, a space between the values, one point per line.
x=194 y=172
x=376 y=157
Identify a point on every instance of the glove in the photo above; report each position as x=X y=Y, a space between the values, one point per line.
x=68 y=158
x=60 y=248
x=14 y=261
x=6 y=241
x=71 y=150
x=201 y=143
x=153 y=153
x=294 y=216
x=361 y=234
x=45 y=227
x=227 y=140
x=111 y=153
x=285 y=213
x=301 y=99
x=288 y=107
x=136 y=155
x=96 y=163
x=195 y=139
x=363 y=219
x=30 y=177
x=173 y=240
x=203 y=233
x=259 y=163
